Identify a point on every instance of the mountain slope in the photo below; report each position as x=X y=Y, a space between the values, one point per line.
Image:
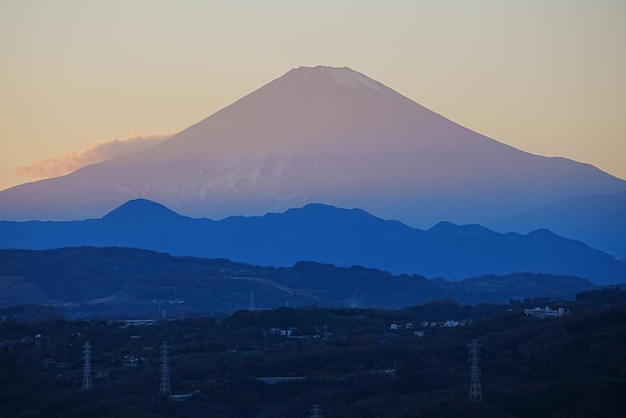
x=319 y=134
x=328 y=235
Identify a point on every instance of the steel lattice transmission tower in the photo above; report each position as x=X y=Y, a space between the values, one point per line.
x=164 y=389
x=251 y=305
x=87 y=366
x=475 y=392
x=316 y=412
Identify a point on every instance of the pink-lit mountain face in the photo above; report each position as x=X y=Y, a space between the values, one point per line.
x=328 y=135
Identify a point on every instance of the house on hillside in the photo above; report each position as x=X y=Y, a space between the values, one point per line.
x=544 y=312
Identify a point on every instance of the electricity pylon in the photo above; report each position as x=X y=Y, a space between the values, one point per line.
x=475 y=392
x=164 y=389
x=86 y=367
x=251 y=304
x=316 y=412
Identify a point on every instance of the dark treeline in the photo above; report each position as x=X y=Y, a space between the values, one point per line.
x=356 y=362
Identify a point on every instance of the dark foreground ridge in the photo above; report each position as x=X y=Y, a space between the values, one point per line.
x=350 y=362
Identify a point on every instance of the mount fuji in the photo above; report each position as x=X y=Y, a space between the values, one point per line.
x=321 y=134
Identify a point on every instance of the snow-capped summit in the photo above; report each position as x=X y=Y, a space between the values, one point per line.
x=321 y=134
x=344 y=76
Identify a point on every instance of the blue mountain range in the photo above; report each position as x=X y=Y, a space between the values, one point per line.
x=325 y=234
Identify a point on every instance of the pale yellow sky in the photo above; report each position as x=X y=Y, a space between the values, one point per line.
x=548 y=77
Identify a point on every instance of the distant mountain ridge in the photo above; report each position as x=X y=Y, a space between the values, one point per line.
x=597 y=219
x=325 y=234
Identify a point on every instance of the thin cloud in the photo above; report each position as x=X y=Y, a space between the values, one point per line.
x=98 y=152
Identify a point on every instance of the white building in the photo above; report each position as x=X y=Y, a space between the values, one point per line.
x=544 y=312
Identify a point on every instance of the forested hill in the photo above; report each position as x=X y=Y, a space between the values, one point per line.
x=121 y=281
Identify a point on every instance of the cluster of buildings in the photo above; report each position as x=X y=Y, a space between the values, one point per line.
x=293 y=332
x=433 y=324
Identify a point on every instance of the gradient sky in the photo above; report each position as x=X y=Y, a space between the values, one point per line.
x=547 y=77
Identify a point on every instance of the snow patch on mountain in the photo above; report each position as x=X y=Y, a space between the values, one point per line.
x=346 y=76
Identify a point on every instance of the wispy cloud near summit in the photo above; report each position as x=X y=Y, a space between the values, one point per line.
x=98 y=152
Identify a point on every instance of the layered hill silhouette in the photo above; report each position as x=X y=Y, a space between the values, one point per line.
x=597 y=219
x=325 y=234
x=320 y=134
x=118 y=282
